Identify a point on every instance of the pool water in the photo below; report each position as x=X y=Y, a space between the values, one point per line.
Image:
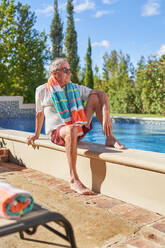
x=20 y=123
x=143 y=135
x=146 y=135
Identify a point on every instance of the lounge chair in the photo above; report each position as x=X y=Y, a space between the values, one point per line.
x=30 y=222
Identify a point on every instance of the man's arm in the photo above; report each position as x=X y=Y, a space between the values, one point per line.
x=106 y=121
x=38 y=126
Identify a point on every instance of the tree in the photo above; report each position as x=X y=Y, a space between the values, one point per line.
x=117 y=75
x=153 y=91
x=27 y=64
x=82 y=74
x=139 y=72
x=110 y=71
x=7 y=41
x=89 y=73
x=110 y=67
x=56 y=33
x=25 y=54
x=71 y=43
x=96 y=78
x=125 y=92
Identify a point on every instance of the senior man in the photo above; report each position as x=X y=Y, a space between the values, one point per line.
x=60 y=102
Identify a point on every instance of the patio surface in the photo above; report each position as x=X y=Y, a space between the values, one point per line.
x=98 y=221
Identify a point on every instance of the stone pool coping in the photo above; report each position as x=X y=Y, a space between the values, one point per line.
x=18 y=99
x=153 y=161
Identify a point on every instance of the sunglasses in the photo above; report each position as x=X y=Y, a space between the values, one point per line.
x=65 y=70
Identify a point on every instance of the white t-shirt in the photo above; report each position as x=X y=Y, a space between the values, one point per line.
x=44 y=103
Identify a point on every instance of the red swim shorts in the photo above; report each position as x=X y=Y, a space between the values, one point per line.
x=58 y=140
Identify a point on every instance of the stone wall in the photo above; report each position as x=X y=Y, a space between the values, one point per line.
x=12 y=106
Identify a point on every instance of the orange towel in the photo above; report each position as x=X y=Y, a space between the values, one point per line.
x=14 y=203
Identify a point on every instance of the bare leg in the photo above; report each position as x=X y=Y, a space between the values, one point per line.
x=69 y=134
x=94 y=105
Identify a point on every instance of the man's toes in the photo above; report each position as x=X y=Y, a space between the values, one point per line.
x=88 y=192
x=119 y=146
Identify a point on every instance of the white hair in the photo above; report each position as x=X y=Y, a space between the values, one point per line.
x=55 y=64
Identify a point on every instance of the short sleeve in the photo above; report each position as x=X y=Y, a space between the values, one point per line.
x=38 y=100
x=84 y=91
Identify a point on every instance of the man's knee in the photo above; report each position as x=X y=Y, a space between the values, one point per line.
x=94 y=99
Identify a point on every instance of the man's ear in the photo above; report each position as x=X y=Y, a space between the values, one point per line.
x=56 y=75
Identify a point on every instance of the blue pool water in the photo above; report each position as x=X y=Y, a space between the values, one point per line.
x=147 y=136
x=143 y=135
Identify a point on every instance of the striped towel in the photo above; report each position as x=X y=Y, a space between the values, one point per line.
x=14 y=203
x=69 y=106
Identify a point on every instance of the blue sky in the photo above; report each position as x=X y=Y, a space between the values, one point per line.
x=136 y=27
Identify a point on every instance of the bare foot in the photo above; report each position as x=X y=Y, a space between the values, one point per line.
x=113 y=142
x=78 y=187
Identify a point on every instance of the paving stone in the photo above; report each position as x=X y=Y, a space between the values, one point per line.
x=65 y=188
x=123 y=246
x=87 y=198
x=48 y=181
x=3 y=169
x=113 y=241
x=53 y=181
x=137 y=242
x=150 y=236
x=14 y=166
x=105 y=202
x=43 y=178
x=142 y=216
x=160 y=225
x=10 y=167
x=122 y=209
x=136 y=214
x=34 y=174
x=37 y=177
x=26 y=172
x=141 y=243
x=153 y=235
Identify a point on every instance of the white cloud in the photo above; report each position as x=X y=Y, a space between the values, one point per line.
x=47 y=10
x=109 y=1
x=103 y=43
x=79 y=6
x=84 y=5
x=151 y=8
x=161 y=50
x=100 y=13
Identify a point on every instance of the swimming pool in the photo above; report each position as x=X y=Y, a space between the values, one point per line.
x=140 y=135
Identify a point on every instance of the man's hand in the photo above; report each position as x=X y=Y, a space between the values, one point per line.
x=31 y=139
x=107 y=127
x=39 y=123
